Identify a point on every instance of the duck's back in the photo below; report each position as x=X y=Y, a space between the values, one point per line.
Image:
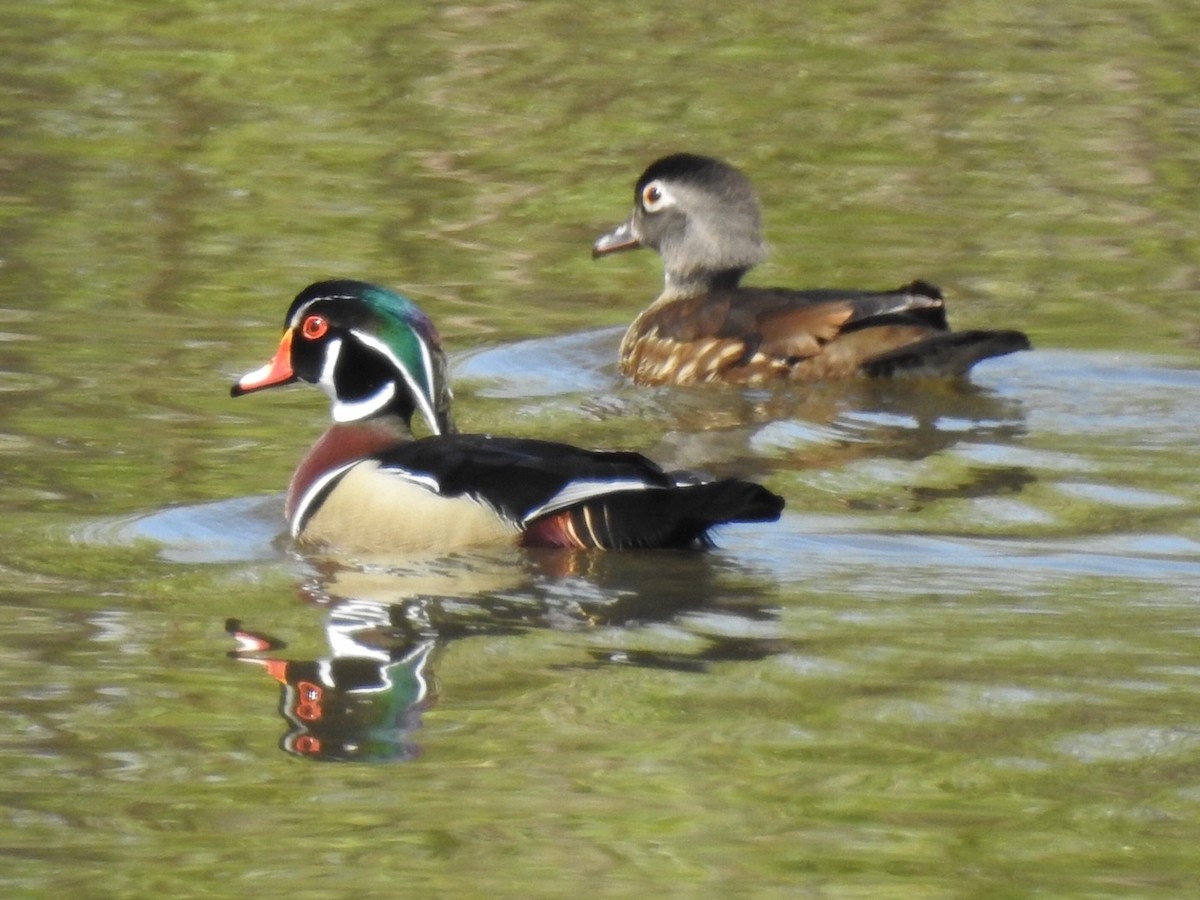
x=750 y=335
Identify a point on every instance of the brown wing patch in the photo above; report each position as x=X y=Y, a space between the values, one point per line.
x=801 y=332
x=688 y=319
x=756 y=336
x=844 y=356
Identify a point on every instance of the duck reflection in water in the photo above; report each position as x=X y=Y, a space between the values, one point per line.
x=360 y=703
x=363 y=701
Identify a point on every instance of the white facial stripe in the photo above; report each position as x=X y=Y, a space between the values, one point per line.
x=298 y=315
x=578 y=491
x=331 y=357
x=325 y=672
x=342 y=642
x=352 y=410
x=423 y=401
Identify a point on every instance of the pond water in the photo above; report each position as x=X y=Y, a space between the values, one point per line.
x=964 y=664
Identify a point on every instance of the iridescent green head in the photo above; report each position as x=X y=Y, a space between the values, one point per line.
x=372 y=350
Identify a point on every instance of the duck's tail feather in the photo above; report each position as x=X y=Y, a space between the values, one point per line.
x=952 y=353
x=677 y=517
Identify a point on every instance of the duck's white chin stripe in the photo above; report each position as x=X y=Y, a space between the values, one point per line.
x=352 y=410
x=332 y=352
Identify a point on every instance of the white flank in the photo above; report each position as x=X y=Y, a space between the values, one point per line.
x=426 y=481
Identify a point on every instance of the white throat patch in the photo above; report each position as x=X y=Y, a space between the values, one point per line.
x=351 y=410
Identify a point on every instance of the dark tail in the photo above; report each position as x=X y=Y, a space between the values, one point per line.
x=953 y=353
x=730 y=500
x=678 y=517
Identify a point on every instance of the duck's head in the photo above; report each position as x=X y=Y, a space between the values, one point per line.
x=372 y=350
x=702 y=217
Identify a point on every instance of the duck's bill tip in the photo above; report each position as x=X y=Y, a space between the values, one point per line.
x=260 y=379
x=277 y=372
x=620 y=238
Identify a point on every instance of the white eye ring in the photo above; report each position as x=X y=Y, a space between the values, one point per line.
x=655 y=197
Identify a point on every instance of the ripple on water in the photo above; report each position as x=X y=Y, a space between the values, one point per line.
x=582 y=362
x=243 y=529
x=1131 y=744
x=1011 y=530
x=1116 y=495
x=24 y=382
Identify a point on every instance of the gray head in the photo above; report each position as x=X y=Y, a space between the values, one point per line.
x=702 y=217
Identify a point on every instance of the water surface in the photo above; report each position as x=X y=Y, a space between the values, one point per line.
x=964 y=663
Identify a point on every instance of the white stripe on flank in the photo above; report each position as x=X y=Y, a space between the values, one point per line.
x=578 y=491
x=310 y=495
x=428 y=482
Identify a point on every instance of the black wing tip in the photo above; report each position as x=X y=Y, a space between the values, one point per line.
x=679 y=517
x=954 y=353
x=737 y=500
x=762 y=505
x=922 y=288
x=995 y=342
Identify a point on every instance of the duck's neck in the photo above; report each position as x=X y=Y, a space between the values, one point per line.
x=343 y=442
x=700 y=281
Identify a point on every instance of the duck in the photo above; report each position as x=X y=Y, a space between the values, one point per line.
x=370 y=486
x=701 y=215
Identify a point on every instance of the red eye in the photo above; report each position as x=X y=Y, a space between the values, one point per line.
x=314 y=327
x=308 y=744
x=308 y=703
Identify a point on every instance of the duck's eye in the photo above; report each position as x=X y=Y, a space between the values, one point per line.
x=314 y=327
x=654 y=197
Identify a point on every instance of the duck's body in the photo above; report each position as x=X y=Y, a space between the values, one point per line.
x=462 y=490
x=368 y=487
x=702 y=217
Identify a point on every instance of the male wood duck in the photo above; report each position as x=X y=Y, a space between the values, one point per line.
x=701 y=215
x=367 y=486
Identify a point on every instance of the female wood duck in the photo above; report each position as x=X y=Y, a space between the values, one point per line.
x=367 y=487
x=702 y=217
